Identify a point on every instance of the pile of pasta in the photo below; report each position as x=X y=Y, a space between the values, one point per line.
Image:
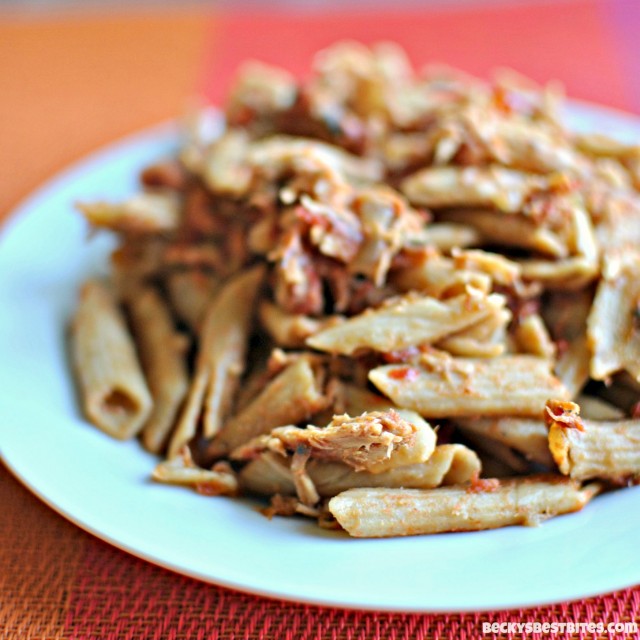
x=398 y=301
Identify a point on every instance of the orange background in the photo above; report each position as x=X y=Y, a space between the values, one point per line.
x=70 y=83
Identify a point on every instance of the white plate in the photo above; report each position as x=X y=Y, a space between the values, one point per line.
x=103 y=486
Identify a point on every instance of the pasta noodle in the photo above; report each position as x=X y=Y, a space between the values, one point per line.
x=163 y=355
x=383 y=512
x=114 y=392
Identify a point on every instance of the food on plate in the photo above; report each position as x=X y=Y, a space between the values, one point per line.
x=396 y=301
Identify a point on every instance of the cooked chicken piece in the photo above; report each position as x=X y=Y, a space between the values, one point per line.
x=388 y=224
x=225 y=170
x=374 y=441
x=259 y=90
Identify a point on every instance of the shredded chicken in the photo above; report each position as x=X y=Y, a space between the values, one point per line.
x=361 y=442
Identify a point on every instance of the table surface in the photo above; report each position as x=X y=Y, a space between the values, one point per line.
x=72 y=81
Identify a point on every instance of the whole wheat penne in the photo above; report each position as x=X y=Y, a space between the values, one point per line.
x=290 y=330
x=525 y=145
x=617 y=216
x=485 y=339
x=594 y=408
x=454 y=387
x=602 y=146
x=572 y=365
x=528 y=436
x=113 y=390
x=410 y=321
x=503 y=461
x=270 y=473
x=181 y=470
x=613 y=327
x=382 y=512
x=137 y=260
x=190 y=292
x=449 y=235
x=588 y=449
x=532 y=337
x=581 y=236
x=565 y=274
x=502 y=271
x=494 y=187
x=520 y=231
x=162 y=353
x=221 y=358
x=291 y=397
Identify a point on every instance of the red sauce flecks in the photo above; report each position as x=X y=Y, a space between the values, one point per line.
x=404 y=373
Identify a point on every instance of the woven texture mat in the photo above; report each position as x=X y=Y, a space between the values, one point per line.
x=58 y=582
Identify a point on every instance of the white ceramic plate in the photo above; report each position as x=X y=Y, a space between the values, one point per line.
x=103 y=486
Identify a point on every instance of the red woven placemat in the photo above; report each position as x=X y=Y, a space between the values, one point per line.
x=58 y=582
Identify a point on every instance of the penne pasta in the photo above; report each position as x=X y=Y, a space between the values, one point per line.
x=527 y=436
x=496 y=228
x=270 y=473
x=221 y=360
x=290 y=330
x=454 y=387
x=572 y=366
x=163 y=355
x=189 y=293
x=532 y=337
x=588 y=449
x=612 y=327
x=113 y=390
x=435 y=275
x=383 y=512
x=181 y=470
x=411 y=321
x=291 y=397
x=446 y=236
x=492 y=187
